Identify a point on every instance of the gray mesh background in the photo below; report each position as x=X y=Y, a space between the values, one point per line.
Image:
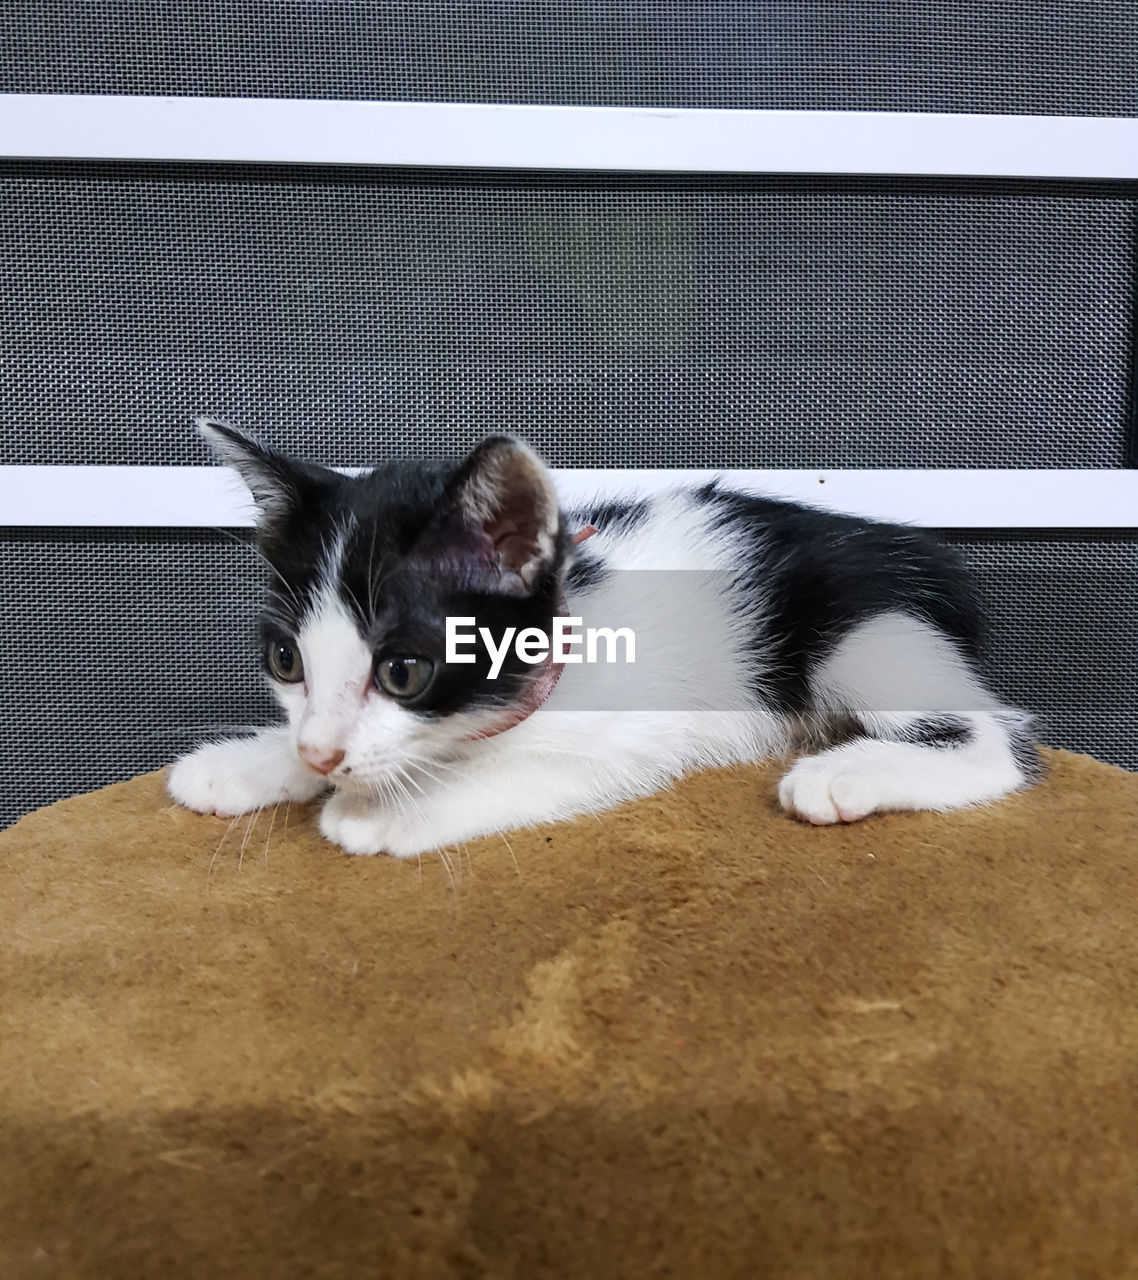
x=1065 y=57
x=353 y=314
x=1064 y=638
x=120 y=649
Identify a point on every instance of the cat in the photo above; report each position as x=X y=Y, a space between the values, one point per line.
x=764 y=628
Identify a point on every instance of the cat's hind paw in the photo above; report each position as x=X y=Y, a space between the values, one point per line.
x=826 y=789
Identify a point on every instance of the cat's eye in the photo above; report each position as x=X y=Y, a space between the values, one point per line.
x=404 y=677
x=284 y=661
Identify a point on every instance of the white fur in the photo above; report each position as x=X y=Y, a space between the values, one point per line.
x=894 y=664
x=889 y=672
x=240 y=774
x=405 y=786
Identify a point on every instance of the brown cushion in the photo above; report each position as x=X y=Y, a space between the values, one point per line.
x=689 y=1038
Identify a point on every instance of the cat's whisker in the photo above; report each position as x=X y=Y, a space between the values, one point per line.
x=383 y=577
x=435 y=782
x=383 y=791
x=233 y=822
x=371 y=585
x=397 y=797
x=448 y=867
x=397 y=794
x=390 y=794
x=173 y=731
x=425 y=765
x=361 y=613
x=272 y=820
x=252 y=546
x=407 y=777
x=513 y=856
x=453 y=871
x=398 y=781
x=422 y=761
x=469 y=860
x=254 y=814
x=427 y=772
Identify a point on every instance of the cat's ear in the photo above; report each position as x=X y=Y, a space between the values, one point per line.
x=505 y=504
x=276 y=482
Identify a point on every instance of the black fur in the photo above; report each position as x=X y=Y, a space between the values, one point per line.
x=823 y=574
x=410 y=562
x=612 y=516
x=933 y=731
x=408 y=565
x=1026 y=755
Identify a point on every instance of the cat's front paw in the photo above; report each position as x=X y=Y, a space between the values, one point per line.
x=825 y=789
x=229 y=778
x=356 y=824
x=362 y=827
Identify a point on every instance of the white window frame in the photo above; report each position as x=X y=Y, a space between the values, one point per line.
x=250 y=130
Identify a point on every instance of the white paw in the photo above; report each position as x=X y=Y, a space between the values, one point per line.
x=355 y=825
x=226 y=778
x=361 y=826
x=831 y=788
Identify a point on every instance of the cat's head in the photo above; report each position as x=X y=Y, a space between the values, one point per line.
x=363 y=573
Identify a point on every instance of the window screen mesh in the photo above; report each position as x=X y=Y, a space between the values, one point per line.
x=122 y=648
x=1062 y=57
x=1064 y=636
x=352 y=314
x=118 y=650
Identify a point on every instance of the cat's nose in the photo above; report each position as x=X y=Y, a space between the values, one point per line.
x=322 y=761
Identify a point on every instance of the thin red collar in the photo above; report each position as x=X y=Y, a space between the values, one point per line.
x=545 y=678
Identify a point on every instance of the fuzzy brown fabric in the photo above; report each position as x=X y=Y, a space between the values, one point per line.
x=689 y=1038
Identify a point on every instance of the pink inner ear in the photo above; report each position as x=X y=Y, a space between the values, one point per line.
x=504 y=515
x=514 y=551
x=514 y=535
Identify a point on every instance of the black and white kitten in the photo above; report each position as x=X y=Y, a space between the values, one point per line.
x=762 y=628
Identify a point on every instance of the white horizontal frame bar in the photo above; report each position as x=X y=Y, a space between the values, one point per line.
x=213 y=497
x=466 y=135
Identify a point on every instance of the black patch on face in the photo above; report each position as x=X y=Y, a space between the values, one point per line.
x=386 y=509
x=410 y=621
x=402 y=573
x=821 y=574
